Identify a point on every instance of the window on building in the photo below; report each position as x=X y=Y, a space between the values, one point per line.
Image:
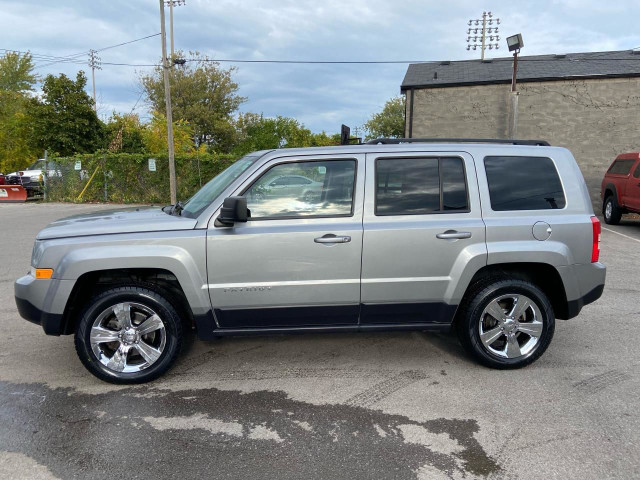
x=523 y=183
x=621 y=167
x=303 y=189
x=420 y=186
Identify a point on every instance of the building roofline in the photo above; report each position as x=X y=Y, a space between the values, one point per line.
x=404 y=88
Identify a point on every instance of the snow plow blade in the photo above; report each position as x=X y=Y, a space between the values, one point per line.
x=12 y=194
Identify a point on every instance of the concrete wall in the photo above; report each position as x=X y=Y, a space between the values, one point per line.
x=595 y=119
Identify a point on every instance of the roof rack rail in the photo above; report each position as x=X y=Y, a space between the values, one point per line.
x=385 y=141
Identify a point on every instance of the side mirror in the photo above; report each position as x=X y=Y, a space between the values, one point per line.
x=234 y=209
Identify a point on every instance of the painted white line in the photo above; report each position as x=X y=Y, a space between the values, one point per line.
x=621 y=234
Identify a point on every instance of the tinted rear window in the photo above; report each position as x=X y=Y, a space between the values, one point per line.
x=413 y=186
x=523 y=183
x=621 y=167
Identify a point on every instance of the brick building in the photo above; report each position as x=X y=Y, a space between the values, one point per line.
x=587 y=102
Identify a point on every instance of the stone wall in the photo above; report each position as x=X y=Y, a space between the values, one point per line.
x=595 y=119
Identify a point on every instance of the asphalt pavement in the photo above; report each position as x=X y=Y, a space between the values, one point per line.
x=330 y=406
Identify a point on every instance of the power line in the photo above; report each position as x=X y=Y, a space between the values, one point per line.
x=313 y=62
x=127 y=43
x=74 y=58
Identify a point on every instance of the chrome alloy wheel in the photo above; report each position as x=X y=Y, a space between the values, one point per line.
x=511 y=326
x=128 y=337
x=608 y=208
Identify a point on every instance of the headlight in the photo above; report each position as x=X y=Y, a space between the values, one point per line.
x=37 y=252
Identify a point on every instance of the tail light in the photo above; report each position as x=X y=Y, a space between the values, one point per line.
x=595 y=249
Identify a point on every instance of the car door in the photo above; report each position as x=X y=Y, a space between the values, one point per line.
x=422 y=227
x=296 y=262
x=632 y=192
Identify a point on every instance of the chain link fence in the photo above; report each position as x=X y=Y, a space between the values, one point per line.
x=127 y=178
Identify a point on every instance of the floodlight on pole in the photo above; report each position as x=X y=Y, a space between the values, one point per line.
x=515 y=43
x=488 y=27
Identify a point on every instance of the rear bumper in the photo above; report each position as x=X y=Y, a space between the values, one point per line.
x=574 y=306
x=583 y=284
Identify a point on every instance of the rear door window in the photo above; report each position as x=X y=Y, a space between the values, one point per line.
x=621 y=167
x=523 y=183
x=636 y=172
x=420 y=186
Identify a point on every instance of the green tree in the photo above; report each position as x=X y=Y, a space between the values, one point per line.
x=64 y=121
x=257 y=132
x=389 y=122
x=16 y=73
x=155 y=136
x=125 y=134
x=16 y=81
x=202 y=94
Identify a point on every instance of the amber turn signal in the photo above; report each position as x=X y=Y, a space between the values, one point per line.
x=44 y=272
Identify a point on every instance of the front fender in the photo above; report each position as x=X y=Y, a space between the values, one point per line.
x=181 y=253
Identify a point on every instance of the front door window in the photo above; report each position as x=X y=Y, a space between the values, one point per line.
x=303 y=189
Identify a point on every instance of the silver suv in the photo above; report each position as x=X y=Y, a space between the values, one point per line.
x=493 y=239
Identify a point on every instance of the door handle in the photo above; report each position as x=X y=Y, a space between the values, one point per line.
x=331 y=238
x=453 y=235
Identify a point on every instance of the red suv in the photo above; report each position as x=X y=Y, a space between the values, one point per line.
x=620 y=190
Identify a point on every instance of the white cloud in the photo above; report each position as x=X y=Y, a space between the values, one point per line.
x=321 y=96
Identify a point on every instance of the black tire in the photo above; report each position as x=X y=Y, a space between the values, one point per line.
x=472 y=308
x=152 y=299
x=616 y=212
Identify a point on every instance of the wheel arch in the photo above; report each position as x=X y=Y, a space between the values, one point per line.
x=611 y=189
x=92 y=282
x=543 y=275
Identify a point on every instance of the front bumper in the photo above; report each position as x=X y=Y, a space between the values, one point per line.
x=51 y=323
x=43 y=302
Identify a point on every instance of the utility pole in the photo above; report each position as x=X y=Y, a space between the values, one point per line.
x=486 y=32
x=173 y=3
x=94 y=62
x=167 y=98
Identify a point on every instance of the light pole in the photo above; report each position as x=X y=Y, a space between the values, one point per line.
x=486 y=32
x=515 y=43
x=173 y=3
x=167 y=98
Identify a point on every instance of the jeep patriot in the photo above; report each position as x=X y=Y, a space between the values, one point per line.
x=493 y=239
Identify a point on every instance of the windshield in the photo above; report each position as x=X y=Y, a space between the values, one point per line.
x=216 y=186
x=38 y=165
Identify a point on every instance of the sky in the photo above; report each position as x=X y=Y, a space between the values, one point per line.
x=322 y=97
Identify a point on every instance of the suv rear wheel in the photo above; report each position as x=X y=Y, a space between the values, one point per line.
x=611 y=210
x=128 y=334
x=506 y=323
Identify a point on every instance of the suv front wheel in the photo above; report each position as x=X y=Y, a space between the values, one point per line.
x=129 y=334
x=506 y=323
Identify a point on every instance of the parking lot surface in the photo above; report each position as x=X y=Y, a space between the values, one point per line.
x=344 y=406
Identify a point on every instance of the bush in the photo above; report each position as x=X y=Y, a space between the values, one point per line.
x=126 y=178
